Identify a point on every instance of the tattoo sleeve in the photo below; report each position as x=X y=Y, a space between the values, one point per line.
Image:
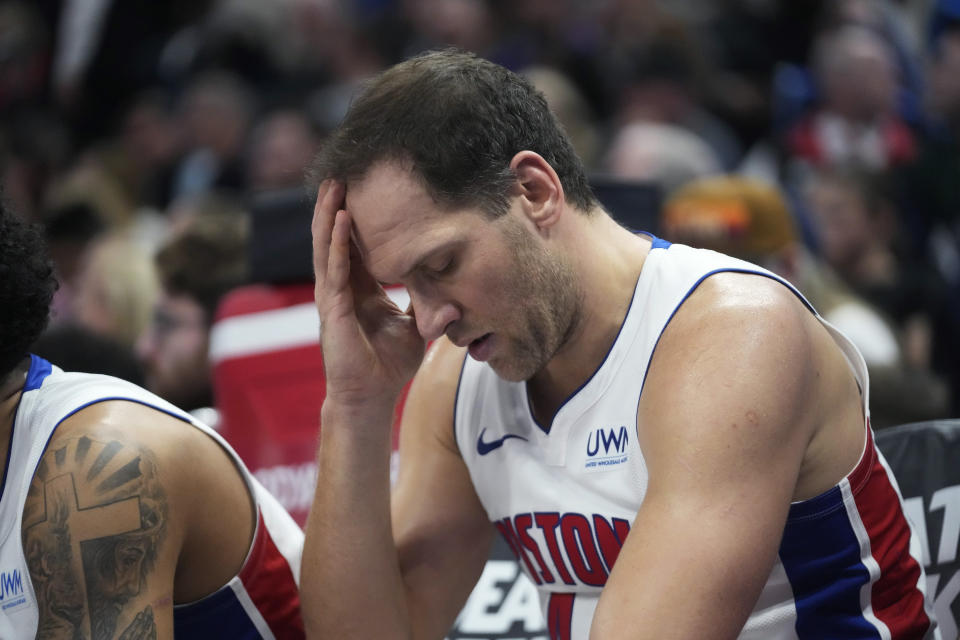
x=94 y=519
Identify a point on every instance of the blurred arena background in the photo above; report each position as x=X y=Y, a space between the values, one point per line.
x=164 y=148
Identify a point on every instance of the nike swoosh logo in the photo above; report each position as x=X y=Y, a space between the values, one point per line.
x=483 y=448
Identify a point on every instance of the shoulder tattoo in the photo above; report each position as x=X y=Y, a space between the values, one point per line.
x=93 y=522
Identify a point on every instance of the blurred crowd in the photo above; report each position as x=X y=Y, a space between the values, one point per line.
x=820 y=139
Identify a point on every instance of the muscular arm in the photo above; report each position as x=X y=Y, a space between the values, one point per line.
x=442 y=532
x=729 y=407
x=364 y=576
x=367 y=577
x=129 y=511
x=96 y=537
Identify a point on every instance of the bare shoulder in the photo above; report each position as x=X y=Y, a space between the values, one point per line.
x=98 y=533
x=743 y=349
x=736 y=310
x=441 y=366
x=180 y=452
x=430 y=405
x=729 y=294
x=119 y=517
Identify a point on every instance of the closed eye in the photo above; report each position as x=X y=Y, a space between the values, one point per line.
x=442 y=267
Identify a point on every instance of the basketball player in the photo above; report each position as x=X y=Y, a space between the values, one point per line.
x=121 y=516
x=672 y=441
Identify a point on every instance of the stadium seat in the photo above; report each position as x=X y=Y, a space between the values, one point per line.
x=269 y=384
x=925 y=458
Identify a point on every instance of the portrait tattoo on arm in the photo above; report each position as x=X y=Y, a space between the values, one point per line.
x=94 y=519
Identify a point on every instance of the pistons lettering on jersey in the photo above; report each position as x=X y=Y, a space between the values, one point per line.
x=570 y=548
x=606 y=448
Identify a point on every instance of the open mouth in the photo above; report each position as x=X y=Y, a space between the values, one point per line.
x=480 y=348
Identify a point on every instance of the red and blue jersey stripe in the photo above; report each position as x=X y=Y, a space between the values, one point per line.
x=857 y=534
x=261 y=602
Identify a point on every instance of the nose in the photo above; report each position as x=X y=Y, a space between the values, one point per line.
x=433 y=314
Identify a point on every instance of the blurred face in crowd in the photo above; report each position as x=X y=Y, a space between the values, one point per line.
x=861 y=81
x=115 y=289
x=488 y=284
x=283 y=146
x=944 y=78
x=173 y=351
x=150 y=135
x=842 y=220
x=214 y=117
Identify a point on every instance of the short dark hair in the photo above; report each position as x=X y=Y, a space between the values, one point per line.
x=27 y=285
x=206 y=259
x=73 y=347
x=458 y=120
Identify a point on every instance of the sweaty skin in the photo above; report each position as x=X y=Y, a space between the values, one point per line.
x=115 y=529
x=729 y=433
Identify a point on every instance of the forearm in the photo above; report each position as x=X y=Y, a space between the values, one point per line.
x=350 y=584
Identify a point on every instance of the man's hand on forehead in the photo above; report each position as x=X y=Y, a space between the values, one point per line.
x=370 y=347
x=357 y=250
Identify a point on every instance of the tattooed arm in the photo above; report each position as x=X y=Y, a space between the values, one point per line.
x=131 y=510
x=96 y=533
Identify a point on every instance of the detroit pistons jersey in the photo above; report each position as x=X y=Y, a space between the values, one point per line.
x=261 y=601
x=564 y=498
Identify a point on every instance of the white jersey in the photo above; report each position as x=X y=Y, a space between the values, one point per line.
x=262 y=601
x=564 y=498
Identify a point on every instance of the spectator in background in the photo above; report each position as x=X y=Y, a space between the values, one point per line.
x=281 y=147
x=859 y=230
x=108 y=51
x=75 y=348
x=116 y=289
x=665 y=154
x=663 y=85
x=855 y=118
x=216 y=113
x=857 y=225
x=69 y=230
x=205 y=258
x=751 y=220
x=571 y=108
x=466 y=24
x=933 y=216
x=932 y=180
x=23 y=44
x=150 y=143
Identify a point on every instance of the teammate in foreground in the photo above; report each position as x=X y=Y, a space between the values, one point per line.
x=121 y=516
x=673 y=443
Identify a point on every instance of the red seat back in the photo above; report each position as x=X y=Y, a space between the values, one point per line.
x=269 y=384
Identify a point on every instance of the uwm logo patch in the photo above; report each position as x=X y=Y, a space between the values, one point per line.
x=13 y=594
x=606 y=447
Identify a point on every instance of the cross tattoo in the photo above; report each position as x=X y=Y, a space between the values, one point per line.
x=115 y=518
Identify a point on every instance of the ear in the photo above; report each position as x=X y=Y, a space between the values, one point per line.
x=539 y=189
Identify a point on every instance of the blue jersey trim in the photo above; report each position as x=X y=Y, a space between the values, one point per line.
x=694 y=288
x=826 y=546
x=98 y=401
x=218 y=615
x=39 y=370
x=657 y=243
x=592 y=375
x=456 y=402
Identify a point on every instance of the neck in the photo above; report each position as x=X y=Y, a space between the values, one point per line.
x=609 y=259
x=11 y=387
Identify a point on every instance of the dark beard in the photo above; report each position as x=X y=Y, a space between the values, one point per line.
x=552 y=301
